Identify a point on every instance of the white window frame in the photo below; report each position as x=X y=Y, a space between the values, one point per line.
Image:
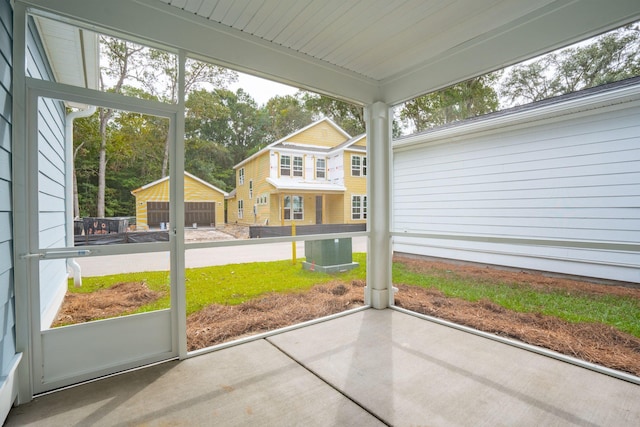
x=359 y=169
x=321 y=172
x=241 y=176
x=288 y=168
x=289 y=212
x=297 y=166
x=250 y=189
x=359 y=211
x=240 y=209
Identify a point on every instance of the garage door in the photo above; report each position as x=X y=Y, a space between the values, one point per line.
x=200 y=213
x=157 y=212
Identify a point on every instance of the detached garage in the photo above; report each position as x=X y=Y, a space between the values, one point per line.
x=551 y=186
x=203 y=203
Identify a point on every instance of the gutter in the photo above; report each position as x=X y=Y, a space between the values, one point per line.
x=86 y=111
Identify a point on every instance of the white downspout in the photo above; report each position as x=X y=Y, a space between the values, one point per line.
x=72 y=265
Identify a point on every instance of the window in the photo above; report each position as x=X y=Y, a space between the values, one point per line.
x=240 y=209
x=297 y=166
x=295 y=204
x=358 y=207
x=358 y=165
x=285 y=165
x=250 y=189
x=321 y=169
x=241 y=176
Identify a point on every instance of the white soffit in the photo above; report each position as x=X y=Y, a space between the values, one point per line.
x=72 y=53
x=361 y=50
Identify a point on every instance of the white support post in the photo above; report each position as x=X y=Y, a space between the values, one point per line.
x=379 y=290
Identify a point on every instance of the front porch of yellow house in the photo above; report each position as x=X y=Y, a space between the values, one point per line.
x=307 y=208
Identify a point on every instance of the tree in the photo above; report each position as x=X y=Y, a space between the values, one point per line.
x=608 y=58
x=160 y=77
x=286 y=114
x=223 y=127
x=458 y=102
x=348 y=116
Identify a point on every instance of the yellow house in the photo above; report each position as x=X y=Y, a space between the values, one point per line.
x=203 y=203
x=316 y=175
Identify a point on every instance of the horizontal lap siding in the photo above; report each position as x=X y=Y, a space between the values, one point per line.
x=51 y=181
x=7 y=315
x=576 y=179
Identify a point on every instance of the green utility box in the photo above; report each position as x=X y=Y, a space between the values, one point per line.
x=328 y=256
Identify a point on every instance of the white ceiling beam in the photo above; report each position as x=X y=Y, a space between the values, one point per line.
x=558 y=24
x=166 y=25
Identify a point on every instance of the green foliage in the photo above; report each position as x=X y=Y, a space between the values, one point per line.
x=286 y=115
x=611 y=57
x=349 y=117
x=458 y=102
x=620 y=312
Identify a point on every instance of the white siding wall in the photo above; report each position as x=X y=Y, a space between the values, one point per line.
x=555 y=192
x=51 y=178
x=8 y=360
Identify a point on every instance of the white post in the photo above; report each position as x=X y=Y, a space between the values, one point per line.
x=378 y=292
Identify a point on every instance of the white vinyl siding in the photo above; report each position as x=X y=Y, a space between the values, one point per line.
x=571 y=180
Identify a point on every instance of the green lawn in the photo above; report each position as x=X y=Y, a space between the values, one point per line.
x=236 y=283
x=228 y=284
x=620 y=312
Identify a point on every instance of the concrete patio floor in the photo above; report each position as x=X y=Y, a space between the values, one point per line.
x=365 y=369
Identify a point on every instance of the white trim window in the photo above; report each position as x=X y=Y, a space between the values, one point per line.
x=285 y=165
x=297 y=166
x=240 y=209
x=250 y=189
x=293 y=205
x=321 y=168
x=241 y=176
x=358 y=165
x=358 y=207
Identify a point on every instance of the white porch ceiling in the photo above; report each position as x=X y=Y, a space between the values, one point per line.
x=360 y=50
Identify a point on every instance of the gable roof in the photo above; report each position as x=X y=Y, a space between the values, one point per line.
x=195 y=178
x=285 y=139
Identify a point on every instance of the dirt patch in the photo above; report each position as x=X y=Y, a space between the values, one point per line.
x=220 y=323
x=120 y=299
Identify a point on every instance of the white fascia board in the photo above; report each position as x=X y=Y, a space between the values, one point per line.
x=280 y=185
x=207 y=40
x=616 y=98
x=554 y=26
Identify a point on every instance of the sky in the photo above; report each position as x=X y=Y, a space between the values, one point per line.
x=261 y=90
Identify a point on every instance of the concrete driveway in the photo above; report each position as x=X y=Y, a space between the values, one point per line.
x=158 y=261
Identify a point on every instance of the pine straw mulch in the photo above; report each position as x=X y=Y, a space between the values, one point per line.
x=216 y=324
x=117 y=300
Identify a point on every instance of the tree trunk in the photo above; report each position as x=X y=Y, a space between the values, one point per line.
x=102 y=162
x=76 y=200
x=165 y=158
